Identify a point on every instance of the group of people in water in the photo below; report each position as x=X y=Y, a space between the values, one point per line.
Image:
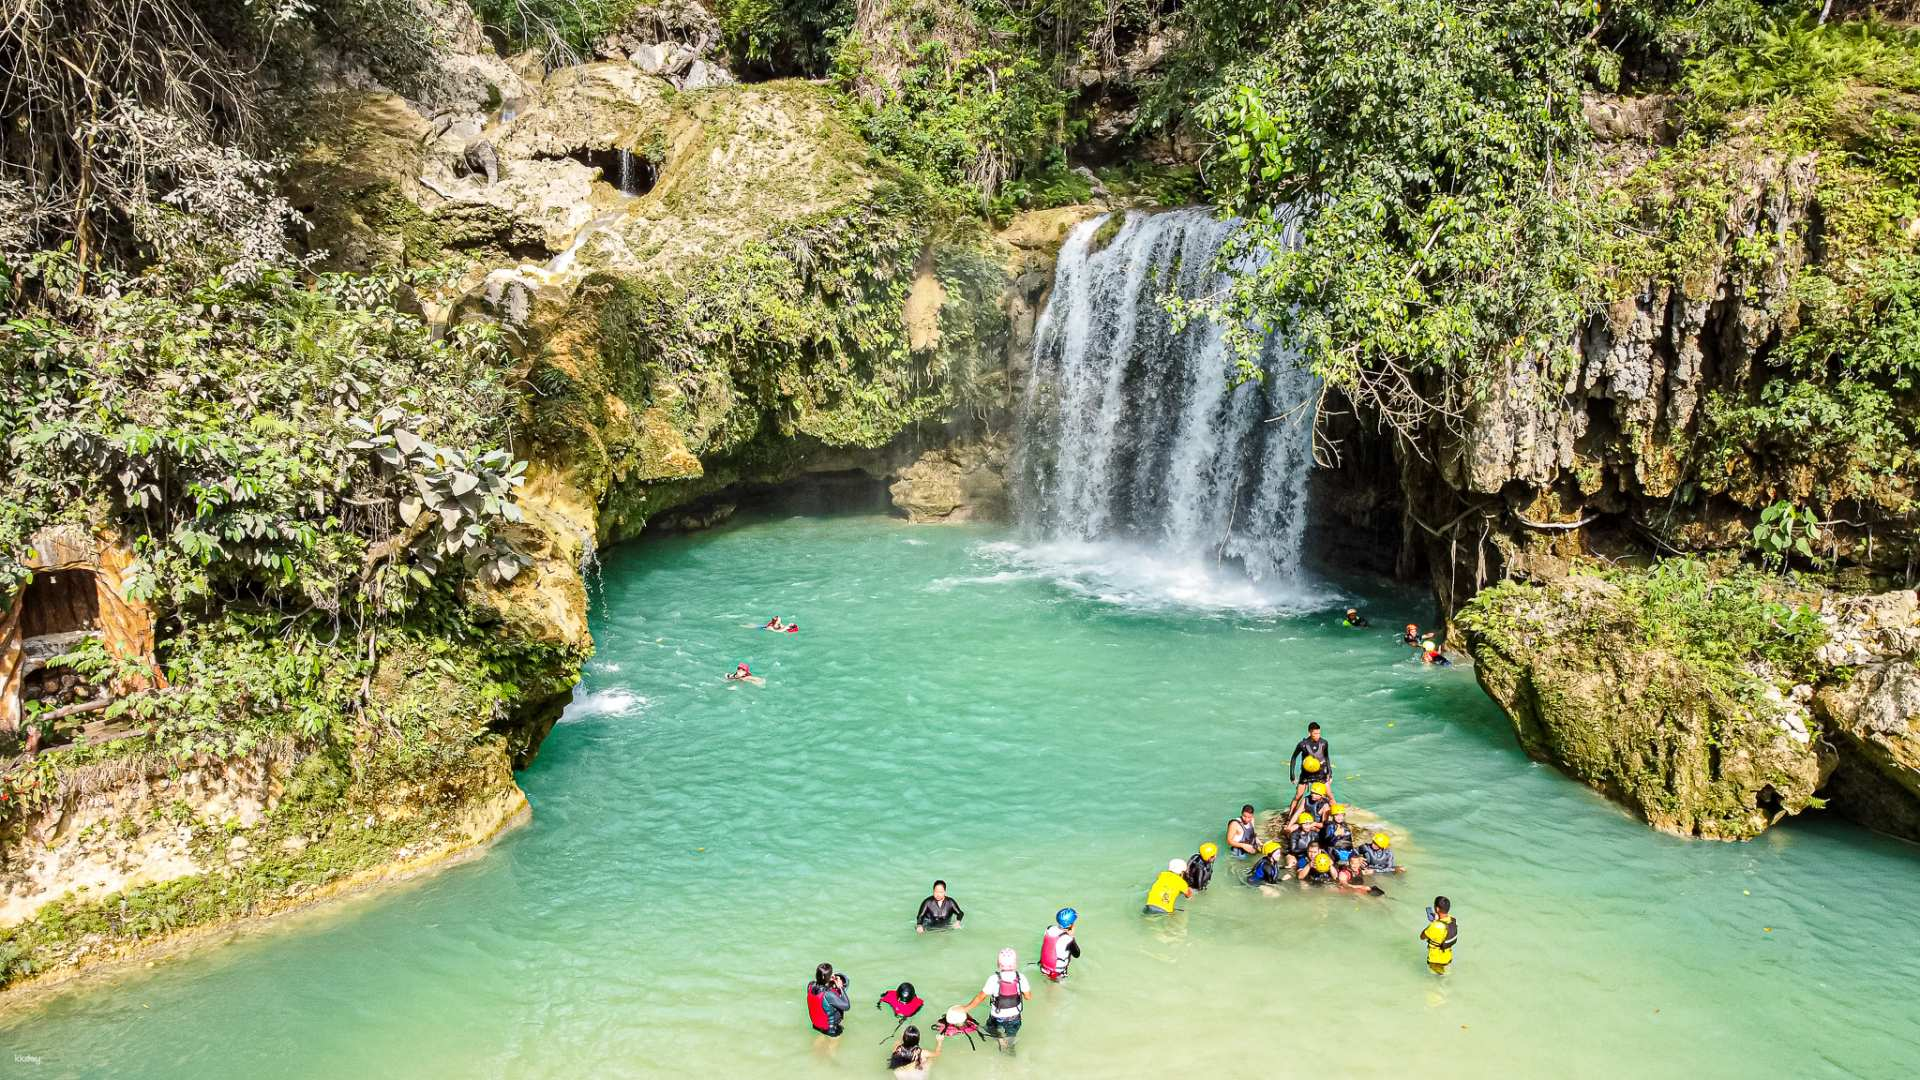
x=1315 y=846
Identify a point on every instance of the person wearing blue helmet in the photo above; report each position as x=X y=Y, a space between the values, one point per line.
x=1057 y=946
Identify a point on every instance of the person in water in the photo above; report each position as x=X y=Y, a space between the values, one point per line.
x=1315 y=762
x=774 y=624
x=938 y=912
x=909 y=1058
x=1242 y=836
x=1009 y=991
x=1199 y=871
x=1168 y=888
x=1301 y=837
x=1378 y=855
x=1354 y=618
x=1440 y=935
x=1430 y=652
x=1411 y=637
x=742 y=671
x=1319 y=869
x=1317 y=800
x=1270 y=868
x=827 y=1000
x=1058 y=946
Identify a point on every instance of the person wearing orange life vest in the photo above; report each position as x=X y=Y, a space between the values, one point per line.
x=1058 y=946
x=827 y=1000
x=1008 y=989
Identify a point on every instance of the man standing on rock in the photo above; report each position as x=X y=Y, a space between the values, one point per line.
x=1316 y=767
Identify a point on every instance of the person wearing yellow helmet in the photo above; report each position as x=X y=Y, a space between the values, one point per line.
x=1440 y=935
x=1242 y=836
x=1317 y=869
x=1199 y=872
x=1316 y=766
x=1271 y=866
x=1301 y=832
x=1378 y=855
x=1335 y=836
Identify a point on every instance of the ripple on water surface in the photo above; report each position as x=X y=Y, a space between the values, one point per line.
x=1040 y=730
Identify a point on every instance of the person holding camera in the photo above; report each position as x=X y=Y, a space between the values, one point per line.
x=827 y=1000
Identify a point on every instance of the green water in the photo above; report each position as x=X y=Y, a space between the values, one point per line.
x=1038 y=734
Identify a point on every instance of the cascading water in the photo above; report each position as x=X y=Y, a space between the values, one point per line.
x=1134 y=429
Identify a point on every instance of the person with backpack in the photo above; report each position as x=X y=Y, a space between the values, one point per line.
x=1009 y=992
x=827 y=1000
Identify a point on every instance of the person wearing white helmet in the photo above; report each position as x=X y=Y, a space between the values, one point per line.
x=1009 y=991
x=1168 y=888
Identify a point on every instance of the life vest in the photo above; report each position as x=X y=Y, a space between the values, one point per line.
x=1440 y=938
x=1337 y=837
x=1006 y=999
x=1244 y=831
x=1298 y=841
x=891 y=999
x=792 y=629
x=823 y=1020
x=1199 y=872
x=1053 y=953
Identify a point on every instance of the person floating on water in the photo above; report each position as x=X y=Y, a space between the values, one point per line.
x=1354 y=618
x=1411 y=637
x=1440 y=935
x=743 y=673
x=1270 y=868
x=1058 y=946
x=1315 y=760
x=909 y=1058
x=827 y=1000
x=1199 y=871
x=938 y=912
x=1242 y=836
x=1167 y=889
x=774 y=624
x=1009 y=991
x=1430 y=652
x=1378 y=855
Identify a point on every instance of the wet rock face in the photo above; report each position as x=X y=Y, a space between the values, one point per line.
x=964 y=482
x=1873 y=715
x=1570 y=666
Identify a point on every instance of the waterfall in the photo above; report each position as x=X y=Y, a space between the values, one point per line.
x=626 y=172
x=1133 y=429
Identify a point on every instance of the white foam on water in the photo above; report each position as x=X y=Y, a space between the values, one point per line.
x=1149 y=578
x=610 y=702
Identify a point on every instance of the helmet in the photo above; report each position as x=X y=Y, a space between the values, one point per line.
x=1310 y=763
x=1009 y=960
x=1065 y=917
x=1319 y=789
x=1209 y=850
x=956 y=1017
x=1322 y=862
x=1269 y=847
x=905 y=993
x=1381 y=839
x=1303 y=818
x=1178 y=866
x=1339 y=808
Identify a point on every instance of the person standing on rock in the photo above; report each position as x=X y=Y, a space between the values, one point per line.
x=1315 y=762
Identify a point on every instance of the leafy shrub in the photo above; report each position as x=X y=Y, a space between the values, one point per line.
x=563 y=30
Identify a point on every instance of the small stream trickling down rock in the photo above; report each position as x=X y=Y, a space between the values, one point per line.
x=1134 y=428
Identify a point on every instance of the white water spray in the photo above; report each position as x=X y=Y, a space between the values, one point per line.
x=1133 y=430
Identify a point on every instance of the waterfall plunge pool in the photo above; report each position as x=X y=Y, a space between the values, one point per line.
x=960 y=706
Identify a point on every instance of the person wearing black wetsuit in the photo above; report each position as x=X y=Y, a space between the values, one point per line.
x=938 y=912
x=1315 y=747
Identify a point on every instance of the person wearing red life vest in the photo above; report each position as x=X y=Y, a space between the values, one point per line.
x=1009 y=991
x=1058 y=947
x=827 y=1000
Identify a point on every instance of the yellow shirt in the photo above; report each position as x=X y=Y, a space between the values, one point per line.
x=1436 y=935
x=1166 y=891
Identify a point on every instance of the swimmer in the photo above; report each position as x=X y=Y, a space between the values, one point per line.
x=1430 y=652
x=1164 y=896
x=1242 y=836
x=1058 y=946
x=827 y=1000
x=1378 y=853
x=1010 y=993
x=774 y=624
x=1270 y=868
x=938 y=912
x=1354 y=618
x=909 y=1058
x=1411 y=637
x=1440 y=935
x=743 y=673
x=1199 y=871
